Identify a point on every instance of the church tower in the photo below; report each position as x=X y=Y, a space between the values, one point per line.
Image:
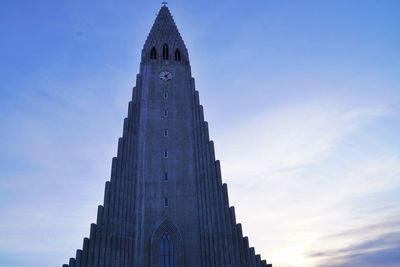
x=165 y=204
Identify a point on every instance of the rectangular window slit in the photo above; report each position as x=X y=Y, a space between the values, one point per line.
x=166 y=202
x=165 y=113
x=166 y=132
x=165 y=153
x=166 y=176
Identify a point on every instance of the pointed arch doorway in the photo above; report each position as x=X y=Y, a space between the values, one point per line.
x=167 y=246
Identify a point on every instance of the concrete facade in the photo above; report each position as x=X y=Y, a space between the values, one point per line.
x=165 y=204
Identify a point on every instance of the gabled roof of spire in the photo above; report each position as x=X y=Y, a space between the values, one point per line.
x=164 y=30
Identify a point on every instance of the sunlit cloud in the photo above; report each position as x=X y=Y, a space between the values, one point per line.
x=309 y=172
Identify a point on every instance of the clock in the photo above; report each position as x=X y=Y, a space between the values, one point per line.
x=165 y=75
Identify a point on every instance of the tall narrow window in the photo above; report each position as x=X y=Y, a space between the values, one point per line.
x=166 y=202
x=166 y=176
x=165 y=113
x=165 y=52
x=165 y=95
x=165 y=132
x=177 y=55
x=165 y=153
x=167 y=251
x=153 y=53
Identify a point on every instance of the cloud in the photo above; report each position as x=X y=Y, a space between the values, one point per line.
x=290 y=137
x=302 y=174
x=383 y=250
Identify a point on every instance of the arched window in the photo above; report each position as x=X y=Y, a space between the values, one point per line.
x=177 y=55
x=167 y=246
x=165 y=52
x=153 y=53
x=166 y=251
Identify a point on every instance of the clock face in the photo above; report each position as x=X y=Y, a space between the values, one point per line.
x=165 y=75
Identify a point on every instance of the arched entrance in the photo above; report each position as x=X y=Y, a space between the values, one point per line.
x=167 y=248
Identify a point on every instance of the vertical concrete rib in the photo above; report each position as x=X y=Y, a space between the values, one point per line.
x=112 y=193
x=258 y=260
x=135 y=211
x=207 y=194
x=78 y=257
x=85 y=250
x=242 y=249
x=119 y=204
x=247 y=250
x=128 y=189
x=219 y=235
x=99 y=234
x=125 y=200
x=132 y=115
x=105 y=226
x=200 y=198
x=253 y=257
x=108 y=219
x=92 y=244
x=220 y=207
x=106 y=201
x=125 y=187
x=212 y=195
x=212 y=247
x=131 y=192
x=233 y=258
x=124 y=192
x=72 y=262
x=234 y=236
x=113 y=208
x=139 y=208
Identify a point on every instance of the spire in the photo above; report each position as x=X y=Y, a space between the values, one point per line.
x=164 y=31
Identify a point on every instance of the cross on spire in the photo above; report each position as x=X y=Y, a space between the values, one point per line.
x=165 y=3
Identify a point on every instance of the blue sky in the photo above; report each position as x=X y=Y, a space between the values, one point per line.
x=302 y=99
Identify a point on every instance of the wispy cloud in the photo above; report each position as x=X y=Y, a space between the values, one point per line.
x=291 y=137
x=383 y=250
x=308 y=172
